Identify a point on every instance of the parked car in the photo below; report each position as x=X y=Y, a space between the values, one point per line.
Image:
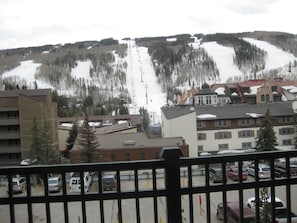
x=216 y=174
x=264 y=170
x=233 y=173
x=280 y=169
x=281 y=215
x=109 y=182
x=54 y=184
x=75 y=183
x=233 y=213
x=251 y=202
x=18 y=184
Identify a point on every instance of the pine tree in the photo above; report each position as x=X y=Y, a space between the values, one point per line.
x=72 y=136
x=266 y=141
x=42 y=149
x=87 y=142
x=265 y=206
x=50 y=153
x=36 y=152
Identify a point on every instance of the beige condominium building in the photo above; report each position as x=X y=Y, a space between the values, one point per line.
x=18 y=108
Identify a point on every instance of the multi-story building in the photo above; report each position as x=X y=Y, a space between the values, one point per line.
x=18 y=109
x=229 y=127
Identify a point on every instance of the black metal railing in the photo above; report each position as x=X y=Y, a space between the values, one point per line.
x=172 y=189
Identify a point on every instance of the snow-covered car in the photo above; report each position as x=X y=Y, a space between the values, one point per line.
x=263 y=170
x=251 y=202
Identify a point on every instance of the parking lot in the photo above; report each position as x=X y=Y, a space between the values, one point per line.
x=129 y=205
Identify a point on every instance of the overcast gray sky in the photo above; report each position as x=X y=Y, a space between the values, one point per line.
x=38 y=22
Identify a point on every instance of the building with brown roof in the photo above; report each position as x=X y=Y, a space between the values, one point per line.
x=18 y=108
x=130 y=146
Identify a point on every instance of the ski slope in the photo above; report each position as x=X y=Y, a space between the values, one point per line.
x=142 y=83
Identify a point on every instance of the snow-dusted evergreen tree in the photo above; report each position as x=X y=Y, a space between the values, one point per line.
x=266 y=141
x=87 y=143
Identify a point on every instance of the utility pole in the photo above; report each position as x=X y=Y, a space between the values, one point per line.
x=146 y=94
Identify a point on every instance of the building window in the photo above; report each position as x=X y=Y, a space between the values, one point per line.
x=208 y=100
x=142 y=155
x=200 y=124
x=200 y=100
x=222 y=123
x=223 y=147
x=287 y=142
x=246 y=145
x=113 y=157
x=286 y=131
x=245 y=122
x=200 y=149
x=222 y=135
x=157 y=155
x=246 y=133
x=128 y=156
x=264 y=97
x=201 y=136
x=285 y=119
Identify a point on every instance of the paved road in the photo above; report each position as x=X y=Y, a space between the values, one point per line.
x=129 y=206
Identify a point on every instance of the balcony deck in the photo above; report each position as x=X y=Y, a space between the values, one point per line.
x=172 y=189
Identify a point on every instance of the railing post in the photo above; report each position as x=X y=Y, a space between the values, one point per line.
x=172 y=183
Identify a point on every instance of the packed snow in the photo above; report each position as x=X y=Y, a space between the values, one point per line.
x=25 y=73
x=223 y=57
x=82 y=70
x=276 y=57
x=142 y=83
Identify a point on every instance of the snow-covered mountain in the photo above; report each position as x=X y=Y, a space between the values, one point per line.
x=143 y=73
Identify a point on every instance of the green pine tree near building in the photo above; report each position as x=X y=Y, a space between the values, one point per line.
x=266 y=140
x=87 y=143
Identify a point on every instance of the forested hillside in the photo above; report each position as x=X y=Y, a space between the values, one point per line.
x=102 y=85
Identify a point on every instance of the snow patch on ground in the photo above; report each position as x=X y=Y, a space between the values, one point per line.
x=276 y=57
x=25 y=73
x=223 y=57
x=82 y=70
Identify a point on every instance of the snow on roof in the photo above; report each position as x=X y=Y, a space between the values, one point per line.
x=206 y=116
x=220 y=90
x=290 y=88
x=254 y=89
x=234 y=94
x=254 y=115
x=171 y=39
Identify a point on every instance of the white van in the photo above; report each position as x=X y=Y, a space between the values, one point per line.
x=75 y=182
